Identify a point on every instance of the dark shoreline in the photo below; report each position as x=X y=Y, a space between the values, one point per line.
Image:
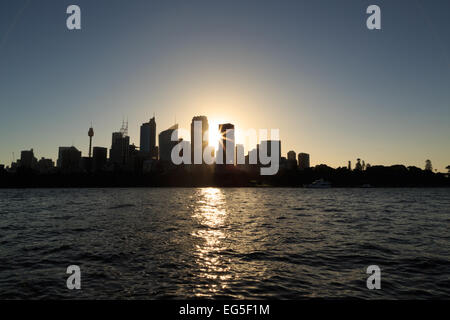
x=374 y=177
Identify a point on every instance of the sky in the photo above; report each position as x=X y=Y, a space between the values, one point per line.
x=311 y=69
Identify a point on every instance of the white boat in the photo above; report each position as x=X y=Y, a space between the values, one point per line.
x=319 y=184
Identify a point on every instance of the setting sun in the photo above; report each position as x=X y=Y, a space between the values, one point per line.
x=214 y=134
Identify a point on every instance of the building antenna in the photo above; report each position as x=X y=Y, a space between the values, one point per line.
x=124 y=128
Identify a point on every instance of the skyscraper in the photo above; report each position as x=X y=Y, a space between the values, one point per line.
x=69 y=159
x=118 y=154
x=166 y=144
x=239 y=155
x=99 y=158
x=226 y=144
x=148 y=138
x=45 y=165
x=303 y=160
x=267 y=146
x=27 y=159
x=291 y=155
x=291 y=160
x=252 y=157
x=199 y=138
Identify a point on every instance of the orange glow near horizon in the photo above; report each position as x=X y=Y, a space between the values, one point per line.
x=215 y=136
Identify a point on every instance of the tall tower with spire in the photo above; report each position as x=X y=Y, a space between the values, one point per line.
x=90 y=134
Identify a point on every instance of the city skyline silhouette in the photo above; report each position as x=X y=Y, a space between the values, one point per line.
x=215 y=138
x=176 y=162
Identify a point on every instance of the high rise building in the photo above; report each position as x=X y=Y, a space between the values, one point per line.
x=119 y=152
x=252 y=157
x=199 y=138
x=166 y=144
x=99 y=158
x=45 y=165
x=27 y=159
x=148 y=138
x=291 y=160
x=267 y=146
x=69 y=159
x=303 y=160
x=240 y=155
x=227 y=142
x=291 y=155
x=59 y=160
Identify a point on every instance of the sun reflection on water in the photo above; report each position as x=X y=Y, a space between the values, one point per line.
x=210 y=214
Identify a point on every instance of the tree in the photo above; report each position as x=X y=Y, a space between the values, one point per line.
x=358 y=166
x=448 y=168
x=428 y=165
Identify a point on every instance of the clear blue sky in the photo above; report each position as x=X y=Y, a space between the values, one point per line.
x=310 y=68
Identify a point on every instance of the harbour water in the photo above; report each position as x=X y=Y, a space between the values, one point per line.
x=269 y=243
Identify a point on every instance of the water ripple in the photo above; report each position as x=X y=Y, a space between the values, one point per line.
x=225 y=243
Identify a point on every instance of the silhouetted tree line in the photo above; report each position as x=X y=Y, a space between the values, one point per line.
x=222 y=176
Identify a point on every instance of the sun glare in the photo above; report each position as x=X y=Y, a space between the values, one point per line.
x=214 y=134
